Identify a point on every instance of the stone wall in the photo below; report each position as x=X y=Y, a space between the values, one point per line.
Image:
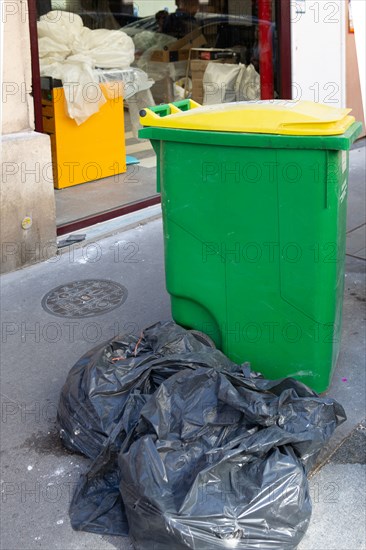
x=28 y=222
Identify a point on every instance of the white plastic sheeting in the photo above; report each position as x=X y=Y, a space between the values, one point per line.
x=78 y=56
x=224 y=83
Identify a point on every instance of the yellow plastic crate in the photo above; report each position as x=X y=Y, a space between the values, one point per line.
x=94 y=150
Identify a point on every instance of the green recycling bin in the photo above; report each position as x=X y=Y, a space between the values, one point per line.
x=254 y=202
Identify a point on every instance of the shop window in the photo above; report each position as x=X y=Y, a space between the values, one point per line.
x=212 y=51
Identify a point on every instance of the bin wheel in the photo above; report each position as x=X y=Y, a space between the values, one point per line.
x=203 y=338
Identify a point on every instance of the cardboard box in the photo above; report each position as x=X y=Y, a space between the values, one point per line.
x=213 y=54
x=164 y=75
x=194 y=39
x=198 y=99
x=198 y=68
x=163 y=90
x=169 y=56
x=179 y=50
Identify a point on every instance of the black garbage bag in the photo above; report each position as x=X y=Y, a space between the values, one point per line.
x=97 y=504
x=217 y=461
x=207 y=453
x=100 y=403
x=97 y=388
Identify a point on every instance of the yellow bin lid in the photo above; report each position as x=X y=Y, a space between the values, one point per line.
x=291 y=118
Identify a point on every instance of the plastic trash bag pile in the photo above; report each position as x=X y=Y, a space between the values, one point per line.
x=189 y=449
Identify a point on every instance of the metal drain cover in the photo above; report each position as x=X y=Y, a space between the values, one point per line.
x=87 y=298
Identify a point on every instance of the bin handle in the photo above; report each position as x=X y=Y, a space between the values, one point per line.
x=151 y=115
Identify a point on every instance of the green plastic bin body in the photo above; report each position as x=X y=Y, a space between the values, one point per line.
x=255 y=237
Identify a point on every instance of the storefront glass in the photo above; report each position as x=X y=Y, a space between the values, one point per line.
x=212 y=51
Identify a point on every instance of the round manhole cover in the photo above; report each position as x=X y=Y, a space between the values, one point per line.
x=84 y=298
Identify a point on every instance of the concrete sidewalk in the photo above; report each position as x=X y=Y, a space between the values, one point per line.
x=38 y=350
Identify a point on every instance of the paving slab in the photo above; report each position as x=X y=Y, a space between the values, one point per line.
x=38 y=349
x=356 y=242
x=356 y=187
x=338 y=492
x=89 y=199
x=338 y=518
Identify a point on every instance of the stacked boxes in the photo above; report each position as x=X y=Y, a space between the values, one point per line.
x=164 y=75
x=174 y=55
x=200 y=58
x=179 y=50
